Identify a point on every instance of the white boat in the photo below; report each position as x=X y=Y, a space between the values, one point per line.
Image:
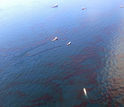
x=121 y=6
x=84 y=8
x=55 y=38
x=55 y=5
x=69 y=43
x=85 y=92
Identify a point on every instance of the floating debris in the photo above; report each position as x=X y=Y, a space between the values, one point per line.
x=84 y=8
x=85 y=92
x=55 y=5
x=69 y=43
x=55 y=38
x=121 y=6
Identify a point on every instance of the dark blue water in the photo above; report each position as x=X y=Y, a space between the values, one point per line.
x=35 y=72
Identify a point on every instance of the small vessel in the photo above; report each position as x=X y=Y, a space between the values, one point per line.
x=84 y=8
x=55 y=38
x=121 y=6
x=85 y=92
x=69 y=43
x=55 y=5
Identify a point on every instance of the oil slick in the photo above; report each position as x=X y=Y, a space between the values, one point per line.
x=85 y=92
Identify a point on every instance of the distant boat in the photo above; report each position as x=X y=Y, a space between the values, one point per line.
x=55 y=5
x=69 y=43
x=84 y=8
x=85 y=92
x=55 y=38
x=121 y=6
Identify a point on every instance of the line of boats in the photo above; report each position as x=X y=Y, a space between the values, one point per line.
x=56 y=5
x=56 y=38
x=84 y=8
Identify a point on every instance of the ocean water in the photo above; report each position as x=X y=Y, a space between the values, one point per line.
x=36 y=72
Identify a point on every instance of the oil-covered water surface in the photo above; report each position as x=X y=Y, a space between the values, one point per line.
x=36 y=72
